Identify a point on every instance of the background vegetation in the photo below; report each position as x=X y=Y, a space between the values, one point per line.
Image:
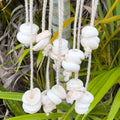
x=105 y=72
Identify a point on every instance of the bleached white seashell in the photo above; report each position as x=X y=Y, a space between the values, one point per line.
x=45 y=99
x=84 y=43
x=48 y=108
x=75 y=56
x=74 y=95
x=43 y=35
x=31 y=108
x=25 y=39
x=91 y=43
x=69 y=66
x=56 y=51
x=41 y=44
x=55 y=99
x=48 y=105
x=31 y=100
x=80 y=111
x=82 y=105
x=26 y=28
x=86 y=98
x=74 y=84
x=59 y=91
x=63 y=46
x=89 y=31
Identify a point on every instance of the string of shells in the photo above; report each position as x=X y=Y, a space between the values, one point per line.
x=70 y=60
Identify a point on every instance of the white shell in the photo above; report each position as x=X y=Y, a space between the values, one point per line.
x=74 y=84
x=63 y=46
x=48 y=105
x=45 y=99
x=25 y=39
x=48 y=108
x=55 y=99
x=80 y=111
x=82 y=105
x=41 y=44
x=43 y=35
x=74 y=95
x=75 y=56
x=31 y=108
x=91 y=43
x=26 y=28
x=89 y=31
x=69 y=66
x=59 y=91
x=86 y=98
x=56 y=51
x=35 y=99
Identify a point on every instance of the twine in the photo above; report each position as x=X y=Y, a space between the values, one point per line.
x=26 y=10
x=31 y=52
x=94 y=9
x=44 y=14
x=79 y=24
x=50 y=26
x=61 y=10
x=75 y=23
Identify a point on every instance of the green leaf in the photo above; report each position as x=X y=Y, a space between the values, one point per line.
x=16 y=47
x=39 y=58
x=115 y=106
x=104 y=86
x=11 y=96
x=94 y=117
x=12 y=105
x=108 y=20
x=15 y=107
x=37 y=116
x=25 y=52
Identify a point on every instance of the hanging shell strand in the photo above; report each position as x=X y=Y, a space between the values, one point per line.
x=31 y=98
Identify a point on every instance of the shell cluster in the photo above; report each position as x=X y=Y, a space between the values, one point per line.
x=52 y=97
x=82 y=104
x=32 y=101
x=74 y=88
x=42 y=39
x=90 y=40
x=77 y=93
x=70 y=59
x=72 y=62
x=24 y=35
x=55 y=50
